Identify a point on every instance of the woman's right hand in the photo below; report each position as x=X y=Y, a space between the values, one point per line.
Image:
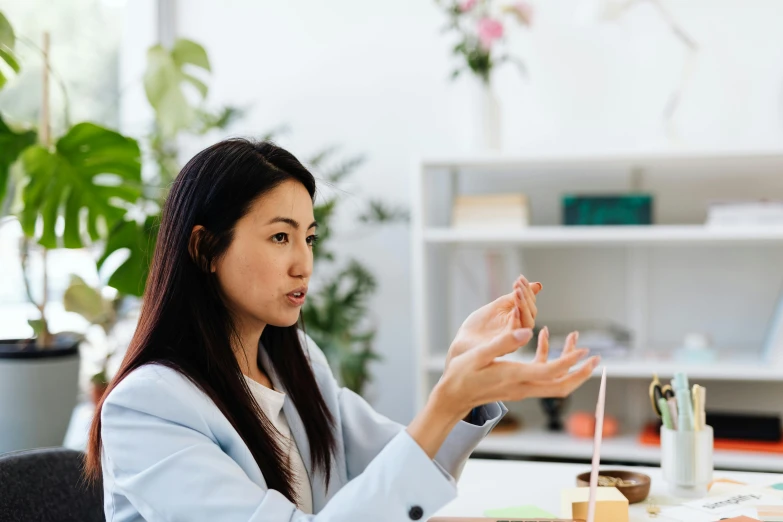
x=475 y=378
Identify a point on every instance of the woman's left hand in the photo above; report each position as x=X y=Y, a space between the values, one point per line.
x=513 y=310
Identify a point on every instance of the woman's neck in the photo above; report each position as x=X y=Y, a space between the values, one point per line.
x=247 y=355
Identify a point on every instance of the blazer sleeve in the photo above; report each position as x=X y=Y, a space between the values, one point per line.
x=165 y=461
x=366 y=432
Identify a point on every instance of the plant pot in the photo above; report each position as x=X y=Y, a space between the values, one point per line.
x=38 y=392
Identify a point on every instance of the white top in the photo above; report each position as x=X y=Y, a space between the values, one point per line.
x=271 y=403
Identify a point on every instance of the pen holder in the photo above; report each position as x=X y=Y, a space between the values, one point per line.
x=686 y=461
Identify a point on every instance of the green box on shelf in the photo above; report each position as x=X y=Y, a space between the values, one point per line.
x=625 y=209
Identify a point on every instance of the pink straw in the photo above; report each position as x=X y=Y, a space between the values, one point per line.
x=599 y=431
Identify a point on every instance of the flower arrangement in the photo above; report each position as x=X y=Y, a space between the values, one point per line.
x=480 y=27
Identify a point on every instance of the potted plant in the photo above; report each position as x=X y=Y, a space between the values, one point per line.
x=100 y=307
x=480 y=34
x=66 y=193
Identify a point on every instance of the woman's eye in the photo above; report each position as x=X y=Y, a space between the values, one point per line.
x=282 y=237
x=312 y=240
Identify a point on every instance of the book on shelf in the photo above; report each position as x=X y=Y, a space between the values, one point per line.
x=491 y=210
x=745 y=213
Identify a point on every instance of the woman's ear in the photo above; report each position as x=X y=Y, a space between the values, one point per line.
x=195 y=244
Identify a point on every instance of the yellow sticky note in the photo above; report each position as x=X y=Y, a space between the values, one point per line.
x=610 y=506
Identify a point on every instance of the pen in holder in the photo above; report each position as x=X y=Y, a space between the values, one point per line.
x=686 y=460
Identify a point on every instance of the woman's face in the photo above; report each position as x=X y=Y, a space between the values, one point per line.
x=265 y=271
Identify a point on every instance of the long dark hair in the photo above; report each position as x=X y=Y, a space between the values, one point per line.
x=186 y=325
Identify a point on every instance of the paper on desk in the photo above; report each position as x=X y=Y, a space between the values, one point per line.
x=724 y=505
x=689 y=514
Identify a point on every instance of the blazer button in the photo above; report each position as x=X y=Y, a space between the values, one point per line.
x=416 y=513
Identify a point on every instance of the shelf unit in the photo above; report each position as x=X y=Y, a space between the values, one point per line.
x=597 y=236
x=538 y=443
x=739 y=370
x=660 y=281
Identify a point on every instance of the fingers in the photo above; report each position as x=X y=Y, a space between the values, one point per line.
x=525 y=297
x=534 y=287
x=526 y=314
x=505 y=343
x=530 y=299
x=570 y=344
x=562 y=387
x=565 y=385
x=536 y=371
x=542 y=351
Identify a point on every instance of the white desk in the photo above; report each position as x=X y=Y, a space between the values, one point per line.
x=490 y=484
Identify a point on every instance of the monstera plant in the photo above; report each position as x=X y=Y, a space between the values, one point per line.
x=66 y=192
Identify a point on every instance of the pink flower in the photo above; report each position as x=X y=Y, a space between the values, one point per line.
x=467 y=5
x=523 y=11
x=489 y=30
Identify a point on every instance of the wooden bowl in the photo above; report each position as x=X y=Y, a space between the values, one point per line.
x=635 y=493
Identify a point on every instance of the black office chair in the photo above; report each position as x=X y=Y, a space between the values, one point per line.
x=44 y=485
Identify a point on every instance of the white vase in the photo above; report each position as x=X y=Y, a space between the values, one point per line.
x=486 y=131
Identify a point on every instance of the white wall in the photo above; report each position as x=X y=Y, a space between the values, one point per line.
x=372 y=77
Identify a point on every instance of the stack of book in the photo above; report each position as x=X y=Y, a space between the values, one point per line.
x=739 y=213
x=491 y=211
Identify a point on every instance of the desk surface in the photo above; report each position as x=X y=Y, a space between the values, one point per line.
x=490 y=484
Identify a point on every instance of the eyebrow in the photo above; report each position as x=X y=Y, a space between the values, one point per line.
x=294 y=223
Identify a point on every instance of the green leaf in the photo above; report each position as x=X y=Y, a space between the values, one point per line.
x=7 y=37
x=11 y=145
x=60 y=183
x=36 y=325
x=321 y=156
x=7 y=43
x=131 y=277
x=200 y=86
x=86 y=301
x=332 y=316
x=355 y=369
x=217 y=120
x=9 y=58
x=164 y=79
x=187 y=51
x=380 y=212
x=323 y=213
x=341 y=171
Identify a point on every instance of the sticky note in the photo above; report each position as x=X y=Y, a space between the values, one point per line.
x=610 y=506
x=518 y=512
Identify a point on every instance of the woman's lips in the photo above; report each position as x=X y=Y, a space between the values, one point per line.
x=296 y=299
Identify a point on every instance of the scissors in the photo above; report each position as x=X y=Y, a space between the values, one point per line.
x=657 y=391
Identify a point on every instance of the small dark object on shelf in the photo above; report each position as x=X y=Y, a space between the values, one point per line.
x=738 y=426
x=629 y=209
x=554 y=408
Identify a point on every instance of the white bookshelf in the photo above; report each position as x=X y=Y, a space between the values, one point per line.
x=600 y=236
x=660 y=281
x=740 y=370
x=539 y=443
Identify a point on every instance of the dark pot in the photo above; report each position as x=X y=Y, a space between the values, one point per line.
x=62 y=346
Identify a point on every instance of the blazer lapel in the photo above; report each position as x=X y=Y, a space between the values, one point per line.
x=317 y=485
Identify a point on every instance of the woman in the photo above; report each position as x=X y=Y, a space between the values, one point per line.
x=223 y=410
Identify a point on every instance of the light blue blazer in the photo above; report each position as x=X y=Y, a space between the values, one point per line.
x=169 y=454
